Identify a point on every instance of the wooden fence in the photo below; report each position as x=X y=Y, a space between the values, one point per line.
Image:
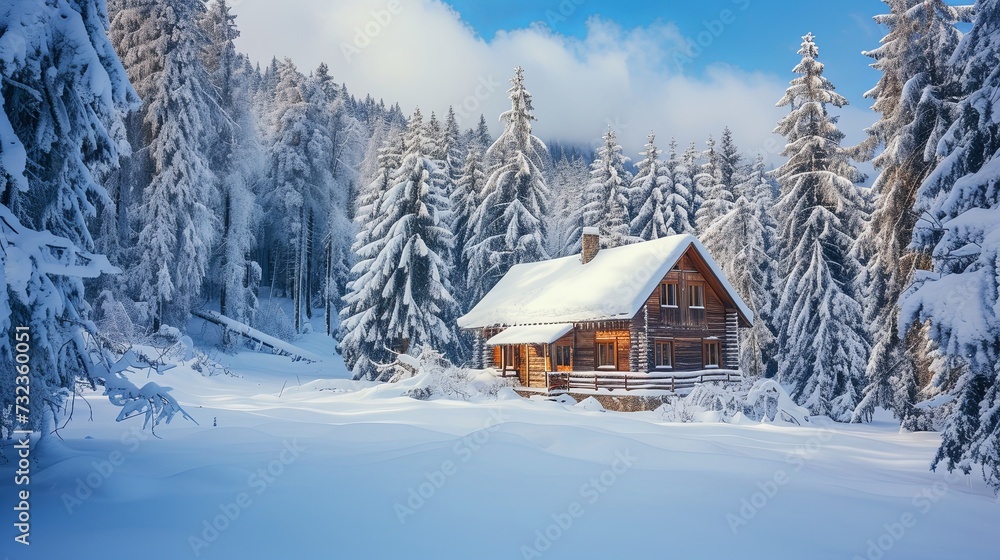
x=628 y=381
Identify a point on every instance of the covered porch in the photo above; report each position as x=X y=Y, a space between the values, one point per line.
x=531 y=352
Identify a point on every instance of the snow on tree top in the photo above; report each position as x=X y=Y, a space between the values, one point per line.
x=613 y=285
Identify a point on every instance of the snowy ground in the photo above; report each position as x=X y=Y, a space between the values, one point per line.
x=331 y=468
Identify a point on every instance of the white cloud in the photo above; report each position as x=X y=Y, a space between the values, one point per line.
x=420 y=52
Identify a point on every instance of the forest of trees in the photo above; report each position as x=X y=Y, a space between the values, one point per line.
x=148 y=169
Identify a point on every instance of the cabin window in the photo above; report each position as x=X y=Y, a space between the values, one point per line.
x=563 y=355
x=668 y=295
x=712 y=350
x=606 y=355
x=696 y=296
x=663 y=354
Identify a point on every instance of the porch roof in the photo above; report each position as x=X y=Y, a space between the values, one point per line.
x=531 y=334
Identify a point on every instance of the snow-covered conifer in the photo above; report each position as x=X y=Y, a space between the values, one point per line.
x=64 y=91
x=402 y=295
x=822 y=340
x=509 y=225
x=959 y=226
x=607 y=194
x=911 y=97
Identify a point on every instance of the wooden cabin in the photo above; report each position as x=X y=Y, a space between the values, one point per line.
x=653 y=315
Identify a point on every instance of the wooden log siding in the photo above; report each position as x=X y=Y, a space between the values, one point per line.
x=535 y=365
x=731 y=344
x=640 y=343
x=687 y=335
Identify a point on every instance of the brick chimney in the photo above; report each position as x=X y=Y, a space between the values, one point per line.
x=591 y=244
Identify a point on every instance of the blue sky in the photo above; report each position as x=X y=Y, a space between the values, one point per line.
x=764 y=34
x=590 y=64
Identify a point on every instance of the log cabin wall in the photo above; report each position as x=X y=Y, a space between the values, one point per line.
x=583 y=350
x=537 y=365
x=686 y=326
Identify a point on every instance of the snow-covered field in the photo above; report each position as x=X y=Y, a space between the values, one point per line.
x=293 y=460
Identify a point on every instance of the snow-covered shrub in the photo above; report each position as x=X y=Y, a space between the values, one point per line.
x=273 y=320
x=764 y=401
x=723 y=398
x=677 y=409
x=431 y=374
x=113 y=321
x=767 y=401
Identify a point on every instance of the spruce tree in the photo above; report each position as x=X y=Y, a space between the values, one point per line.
x=823 y=347
x=715 y=196
x=234 y=155
x=464 y=201
x=607 y=195
x=509 y=226
x=678 y=213
x=911 y=97
x=403 y=294
x=650 y=190
x=177 y=226
x=62 y=94
x=959 y=225
x=743 y=244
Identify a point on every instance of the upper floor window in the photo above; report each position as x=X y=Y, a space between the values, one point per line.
x=696 y=296
x=668 y=295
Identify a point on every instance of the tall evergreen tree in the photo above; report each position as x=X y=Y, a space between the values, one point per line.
x=743 y=243
x=509 y=225
x=959 y=208
x=650 y=191
x=464 y=201
x=62 y=94
x=684 y=174
x=569 y=180
x=607 y=194
x=388 y=159
x=679 y=214
x=403 y=293
x=174 y=216
x=715 y=196
x=910 y=96
x=822 y=342
x=730 y=162
x=234 y=155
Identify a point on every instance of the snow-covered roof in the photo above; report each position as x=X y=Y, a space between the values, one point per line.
x=614 y=285
x=531 y=334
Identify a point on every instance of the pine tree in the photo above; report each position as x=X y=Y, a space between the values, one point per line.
x=678 y=214
x=911 y=99
x=175 y=220
x=743 y=241
x=650 y=190
x=570 y=175
x=464 y=201
x=959 y=225
x=403 y=294
x=684 y=174
x=607 y=193
x=822 y=341
x=389 y=156
x=509 y=225
x=715 y=197
x=234 y=155
x=62 y=94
